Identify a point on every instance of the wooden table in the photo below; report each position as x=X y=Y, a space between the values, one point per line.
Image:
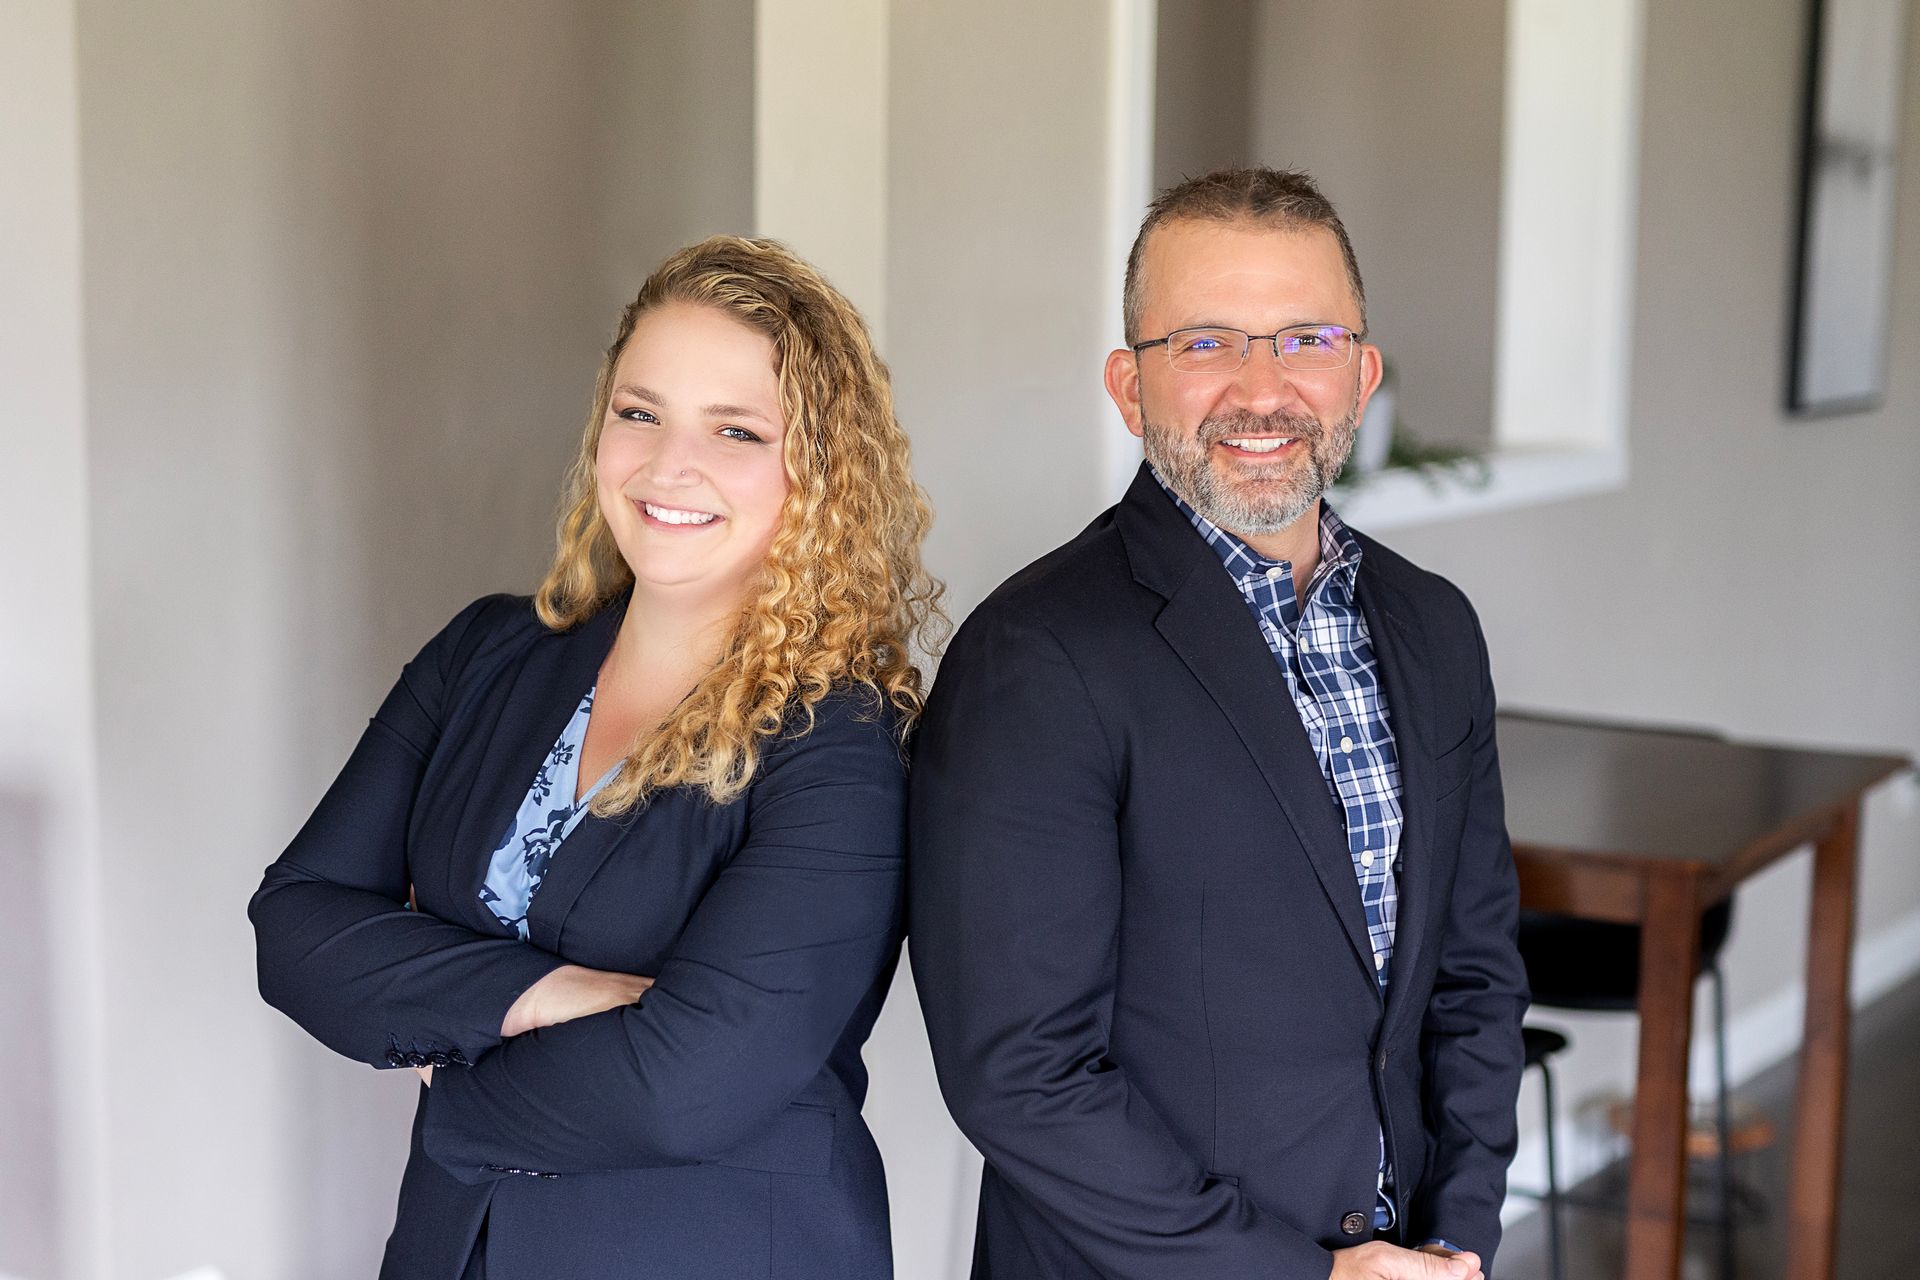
x=1651 y=827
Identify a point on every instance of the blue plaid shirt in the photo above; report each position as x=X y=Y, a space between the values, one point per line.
x=1326 y=654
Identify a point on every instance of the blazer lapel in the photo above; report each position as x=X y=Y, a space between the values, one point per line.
x=1208 y=625
x=526 y=720
x=1407 y=686
x=573 y=865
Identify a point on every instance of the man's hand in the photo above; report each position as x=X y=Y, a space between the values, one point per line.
x=569 y=992
x=1382 y=1261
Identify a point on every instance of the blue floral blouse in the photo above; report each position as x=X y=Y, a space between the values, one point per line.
x=546 y=817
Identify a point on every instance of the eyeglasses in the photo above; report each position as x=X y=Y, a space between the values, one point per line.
x=1210 y=350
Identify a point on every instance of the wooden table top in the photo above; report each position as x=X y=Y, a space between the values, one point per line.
x=1632 y=796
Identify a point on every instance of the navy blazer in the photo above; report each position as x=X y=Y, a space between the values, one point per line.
x=711 y=1130
x=1138 y=936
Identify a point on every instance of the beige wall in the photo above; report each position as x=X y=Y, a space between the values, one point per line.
x=997 y=188
x=349 y=270
x=996 y=183
x=1203 y=88
x=49 y=1125
x=1395 y=107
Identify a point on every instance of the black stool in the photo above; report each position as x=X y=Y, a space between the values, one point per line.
x=1594 y=966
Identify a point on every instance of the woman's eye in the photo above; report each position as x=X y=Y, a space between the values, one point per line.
x=740 y=433
x=636 y=415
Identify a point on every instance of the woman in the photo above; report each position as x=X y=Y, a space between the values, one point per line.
x=651 y=822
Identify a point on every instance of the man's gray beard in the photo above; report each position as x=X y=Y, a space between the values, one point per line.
x=1185 y=462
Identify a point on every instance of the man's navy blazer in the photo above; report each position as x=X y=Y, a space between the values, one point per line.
x=1138 y=938
x=711 y=1130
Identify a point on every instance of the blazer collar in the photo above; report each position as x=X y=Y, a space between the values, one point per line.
x=555 y=673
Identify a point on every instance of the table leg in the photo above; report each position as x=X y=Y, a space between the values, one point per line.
x=1657 y=1172
x=1820 y=1104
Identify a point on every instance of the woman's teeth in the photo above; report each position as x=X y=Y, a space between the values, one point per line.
x=674 y=515
x=1259 y=446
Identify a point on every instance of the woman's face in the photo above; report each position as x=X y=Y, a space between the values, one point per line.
x=691 y=478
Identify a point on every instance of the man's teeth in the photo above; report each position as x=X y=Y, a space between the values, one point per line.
x=1259 y=446
x=673 y=515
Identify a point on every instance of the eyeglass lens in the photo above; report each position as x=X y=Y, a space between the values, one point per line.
x=1308 y=347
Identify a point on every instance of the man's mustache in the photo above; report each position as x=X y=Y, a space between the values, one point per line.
x=1301 y=426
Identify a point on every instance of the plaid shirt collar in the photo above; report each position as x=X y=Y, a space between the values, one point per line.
x=1339 y=549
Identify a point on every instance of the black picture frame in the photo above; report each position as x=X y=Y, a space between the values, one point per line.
x=1849 y=184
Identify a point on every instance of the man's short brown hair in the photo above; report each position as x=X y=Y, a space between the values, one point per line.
x=1285 y=199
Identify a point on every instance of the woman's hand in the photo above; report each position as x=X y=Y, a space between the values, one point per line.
x=569 y=992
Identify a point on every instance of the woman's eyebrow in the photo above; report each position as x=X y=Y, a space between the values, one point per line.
x=654 y=398
x=735 y=411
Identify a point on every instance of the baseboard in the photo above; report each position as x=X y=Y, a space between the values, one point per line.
x=1757 y=1038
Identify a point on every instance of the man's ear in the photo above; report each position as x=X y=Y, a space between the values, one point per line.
x=1372 y=369
x=1123 y=384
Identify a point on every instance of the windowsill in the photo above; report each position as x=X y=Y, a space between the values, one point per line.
x=1519 y=477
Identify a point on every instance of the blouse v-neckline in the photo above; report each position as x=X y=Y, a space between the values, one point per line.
x=547 y=815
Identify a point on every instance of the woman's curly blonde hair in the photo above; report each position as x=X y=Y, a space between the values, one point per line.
x=842 y=599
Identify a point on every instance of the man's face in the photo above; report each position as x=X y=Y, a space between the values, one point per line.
x=1253 y=448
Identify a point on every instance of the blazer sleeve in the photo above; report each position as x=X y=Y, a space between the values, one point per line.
x=338 y=950
x=1014 y=912
x=1471 y=1049
x=793 y=934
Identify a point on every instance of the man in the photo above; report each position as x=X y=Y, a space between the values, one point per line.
x=1212 y=907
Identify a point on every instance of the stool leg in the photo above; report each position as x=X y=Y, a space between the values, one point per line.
x=1553 y=1181
x=1723 y=1121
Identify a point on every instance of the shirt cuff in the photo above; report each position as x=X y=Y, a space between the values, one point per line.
x=1446 y=1244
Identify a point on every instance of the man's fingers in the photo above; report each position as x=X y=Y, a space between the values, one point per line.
x=1465 y=1258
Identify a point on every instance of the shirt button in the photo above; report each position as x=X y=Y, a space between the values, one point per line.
x=1379 y=962
x=1276 y=573
x=1366 y=858
x=1346 y=743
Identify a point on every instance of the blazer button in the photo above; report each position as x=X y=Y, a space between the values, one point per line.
x=395 y=1058
x=1353 y=1224
x=437 y=1059
x=416 y=1059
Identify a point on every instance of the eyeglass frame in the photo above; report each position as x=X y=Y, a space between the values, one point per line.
x=1358 y=336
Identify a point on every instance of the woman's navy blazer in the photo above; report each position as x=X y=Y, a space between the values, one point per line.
x=711 y=1130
